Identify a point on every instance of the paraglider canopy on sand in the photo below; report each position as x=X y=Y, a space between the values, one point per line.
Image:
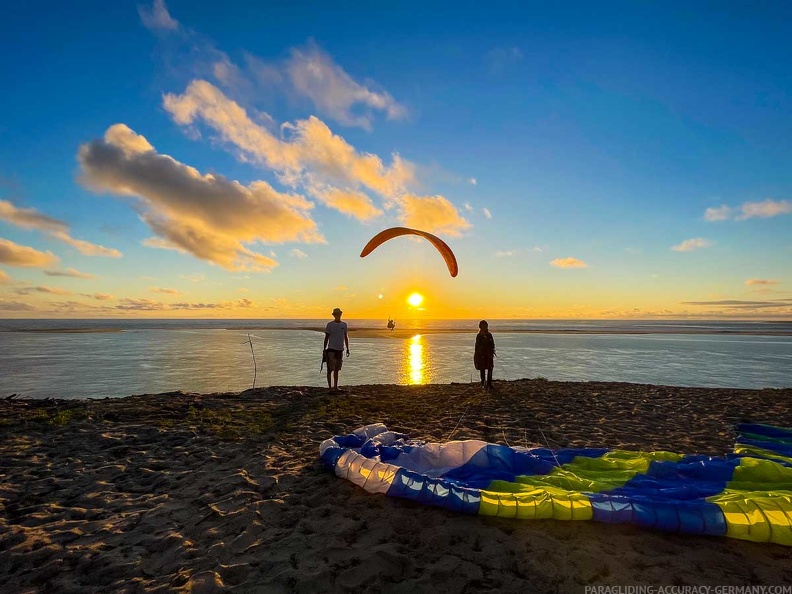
x=438 y=243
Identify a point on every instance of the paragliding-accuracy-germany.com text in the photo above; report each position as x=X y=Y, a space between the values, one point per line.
x=688 y=590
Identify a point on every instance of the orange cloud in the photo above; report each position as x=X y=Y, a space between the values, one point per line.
x=314 y=158
x=48 y=290
x=434 y=214
x=30 y=218
x=70 y=272
x=208 y=216
x=568 y=263
x=166 y=291
x=758 y=281
x=14 y=254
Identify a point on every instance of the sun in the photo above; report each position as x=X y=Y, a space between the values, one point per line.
x=415 y=299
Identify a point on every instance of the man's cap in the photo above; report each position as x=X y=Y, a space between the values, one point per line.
x=337 y=311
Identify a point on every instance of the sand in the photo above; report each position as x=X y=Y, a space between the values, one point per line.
x=225 y=492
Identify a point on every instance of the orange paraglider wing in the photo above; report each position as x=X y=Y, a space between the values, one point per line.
x=441 y=246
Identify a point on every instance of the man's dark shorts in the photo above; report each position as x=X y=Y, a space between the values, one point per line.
x=335 y=360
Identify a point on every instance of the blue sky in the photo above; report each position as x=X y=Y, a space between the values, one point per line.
x=585 y=160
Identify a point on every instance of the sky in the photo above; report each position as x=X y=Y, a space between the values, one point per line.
x=187 y=159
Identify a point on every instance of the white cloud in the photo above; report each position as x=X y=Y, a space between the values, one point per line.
x=313 y=73
x=70 y=272
x=311 y=157
x=299 y=254
x=30 y=218
x=764 y=209
x=13 y=254
x=472 y=181
x=157 y=17
x=749 y=210
x=312 y=154
x=487 y=212
x=506 y=253
x=209 y=216
x=467 y=207
x=692 y=244
x=568 y=263
x=720 y=213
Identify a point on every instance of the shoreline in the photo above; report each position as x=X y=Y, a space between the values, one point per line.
x=375 y=332
x=217 y=492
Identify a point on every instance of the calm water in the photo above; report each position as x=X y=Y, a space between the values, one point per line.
x=150 y=356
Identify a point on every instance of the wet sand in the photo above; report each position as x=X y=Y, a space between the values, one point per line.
x=225 y=492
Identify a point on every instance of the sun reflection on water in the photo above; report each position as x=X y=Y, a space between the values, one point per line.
x=416 y=360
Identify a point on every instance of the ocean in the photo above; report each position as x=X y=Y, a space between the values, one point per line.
x=116 y=358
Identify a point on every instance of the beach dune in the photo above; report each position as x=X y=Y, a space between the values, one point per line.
x=225 y=492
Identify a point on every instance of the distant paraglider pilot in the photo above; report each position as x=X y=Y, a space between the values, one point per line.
x=484 y=355
x=391 y=324
x=336 y=338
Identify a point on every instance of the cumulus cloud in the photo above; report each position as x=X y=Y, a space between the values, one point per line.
x=14 y=254
x=299 y=254
x=310 y=156
x=312 y=149
x=208 y=216
x=506 y=253
x=30 y=218
x=487 y=212
x=759 y=281
x=749 y=210
x=70 y=272
x=691 y=244
x=313 y=73
x=472 y=181
x=568 y=263
x=349 y=202
x=157 y=17
x=434 y=214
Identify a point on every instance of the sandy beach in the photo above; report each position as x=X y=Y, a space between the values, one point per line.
x=225 y=492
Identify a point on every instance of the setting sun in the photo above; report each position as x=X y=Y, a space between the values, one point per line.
x=415 y=299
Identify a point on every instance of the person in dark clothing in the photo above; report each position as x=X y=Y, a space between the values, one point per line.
x=484 y=355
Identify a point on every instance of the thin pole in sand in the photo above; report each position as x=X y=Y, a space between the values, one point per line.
x=250 y=342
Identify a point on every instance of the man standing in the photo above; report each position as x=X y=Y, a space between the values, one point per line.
x=336 y=338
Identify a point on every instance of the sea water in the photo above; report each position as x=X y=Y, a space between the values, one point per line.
x=151 y=356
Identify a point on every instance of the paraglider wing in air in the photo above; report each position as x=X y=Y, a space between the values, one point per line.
x=438 y=243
